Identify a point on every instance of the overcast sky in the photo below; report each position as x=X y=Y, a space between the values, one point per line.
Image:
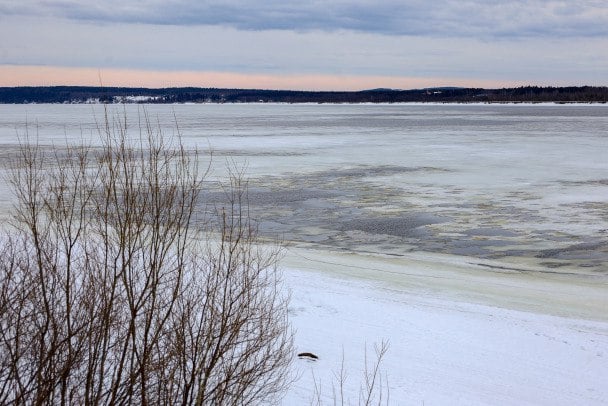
x=344 y=44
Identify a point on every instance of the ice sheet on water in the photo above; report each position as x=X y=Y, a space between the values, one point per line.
x=345 y=176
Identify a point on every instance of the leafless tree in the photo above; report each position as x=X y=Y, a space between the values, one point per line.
x=114 y=290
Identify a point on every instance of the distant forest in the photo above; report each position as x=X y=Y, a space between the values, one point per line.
x=85 y=94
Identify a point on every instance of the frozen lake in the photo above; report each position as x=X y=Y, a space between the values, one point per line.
x=525 y=185
x=473 y=238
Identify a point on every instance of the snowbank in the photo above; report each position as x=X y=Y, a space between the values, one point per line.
x=448 y=347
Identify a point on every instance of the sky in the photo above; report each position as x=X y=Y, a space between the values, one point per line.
x=300 y=44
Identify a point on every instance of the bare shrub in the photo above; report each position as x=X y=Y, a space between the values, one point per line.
x=373 y=389
x=109 y=294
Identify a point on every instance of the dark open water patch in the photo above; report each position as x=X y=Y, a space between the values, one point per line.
x=235 y=152
x=589 y=250
x=590 y=182
x=366 y=171
x=489 y=232
x=257 y=196
x=410 y=225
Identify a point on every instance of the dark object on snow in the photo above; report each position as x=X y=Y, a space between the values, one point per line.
x=308 y=355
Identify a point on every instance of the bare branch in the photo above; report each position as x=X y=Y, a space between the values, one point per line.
x=110 y=293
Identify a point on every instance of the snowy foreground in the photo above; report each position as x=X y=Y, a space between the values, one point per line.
x=458 y=335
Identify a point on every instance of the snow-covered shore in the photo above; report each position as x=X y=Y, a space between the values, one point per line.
x=458 y=335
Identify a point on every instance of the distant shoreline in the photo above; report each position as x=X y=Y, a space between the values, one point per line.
x=573 y=103
x=438 y=95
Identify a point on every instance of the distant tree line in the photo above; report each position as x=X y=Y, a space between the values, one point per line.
x=89 y=94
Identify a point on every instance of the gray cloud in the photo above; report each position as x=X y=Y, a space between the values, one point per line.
x=489 y=19
x=57 y=42
x=539 y=42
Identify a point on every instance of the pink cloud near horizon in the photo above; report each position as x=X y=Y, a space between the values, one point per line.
x=20 y=75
